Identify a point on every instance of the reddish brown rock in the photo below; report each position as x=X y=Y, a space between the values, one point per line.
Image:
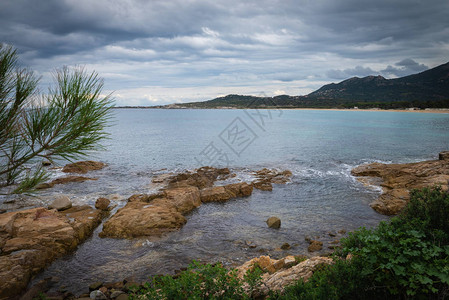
x=184 y=199
x=214 y=194
x=315 y=246
x=443 y=155
x=139 y=219
x=398 y=179
x=31 y=239
x=201 y=178
x=274 y=222
x=263 y=185
x=82 y=167
x=280 y=273
x=241 y=189
x=273 y=176
x=102 y=203
x=63 y=180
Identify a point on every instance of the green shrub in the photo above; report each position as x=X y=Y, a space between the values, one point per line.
x=200 y=282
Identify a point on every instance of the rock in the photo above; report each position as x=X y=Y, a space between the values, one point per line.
x=241 y=189
x=273 y=176
x=102 y=203
x=280 y=273
x=286 y=246
x=97 y=295
x=31 y=239
x=214 y=194
x=399 y=179
x=95 y=286
x=82 y=167
x=274 y=222
x=184 y=199
x=315 y=246
x=63 y=180
x=263 y=185
x=2 y=211
x=115 y=294
x=289 y=261
x=201 y=178
x=61 y=202
x=443 y=155
x=46 y=163
x=304 y=270
x=122 y=297
x=342 y=231
x=138 y=219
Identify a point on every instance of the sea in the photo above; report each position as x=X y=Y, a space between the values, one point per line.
x=322 y=201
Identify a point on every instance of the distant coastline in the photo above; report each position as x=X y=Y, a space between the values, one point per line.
x=427 y=110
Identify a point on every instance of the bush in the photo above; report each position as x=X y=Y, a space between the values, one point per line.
x=200 y=282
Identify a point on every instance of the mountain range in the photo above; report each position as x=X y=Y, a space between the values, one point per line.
x=428 y=89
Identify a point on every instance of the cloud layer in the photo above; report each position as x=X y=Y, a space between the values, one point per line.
x=161 y=51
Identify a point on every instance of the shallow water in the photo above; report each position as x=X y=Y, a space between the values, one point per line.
x=319 y=147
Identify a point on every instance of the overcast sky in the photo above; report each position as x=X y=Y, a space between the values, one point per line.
x=158 y=52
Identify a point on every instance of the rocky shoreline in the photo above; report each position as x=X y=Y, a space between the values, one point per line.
x=397 y=180
x=31 y=239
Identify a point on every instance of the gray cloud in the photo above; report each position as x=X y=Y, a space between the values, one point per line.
x=169 y=49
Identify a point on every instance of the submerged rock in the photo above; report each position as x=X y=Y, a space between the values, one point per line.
x=399 y=179
x=63 y=180
x=82 y=167
x=315 y=246
x=274 y=222
x=31 y=239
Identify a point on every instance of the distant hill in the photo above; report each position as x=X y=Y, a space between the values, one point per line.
x=428 y=89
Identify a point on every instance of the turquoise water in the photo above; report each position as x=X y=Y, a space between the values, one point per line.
x=319 y=147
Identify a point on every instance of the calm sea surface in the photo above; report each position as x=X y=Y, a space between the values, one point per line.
x=319 y=147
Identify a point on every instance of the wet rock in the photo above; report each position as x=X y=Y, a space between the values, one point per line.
x=286 y=246
x=137 y=219
x=201 y=178
x=241 y=189
x=443 y=155
x=250 y=244
x=315 y=246
x=399 y=179
x=82 y=167
x=95 y=286
x=184 y=199
x=122 y=297
x=274 y=222
x=31 y=239
x=263 y=185
x=98 y=295
x=63 y=180
x=102 y=203
x=61 y=202
x=342 y=231
x=214 y=194
x=273 y=176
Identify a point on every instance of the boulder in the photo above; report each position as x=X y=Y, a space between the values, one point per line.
x=61 y=202
x=273 y=176
x=82 y=167
x=443 y=155
x=138 y=219
x=102 y=203
x=398 y=179
x=274 y=222
x=214 y=194
x=31 y=239
x=184 y=199
x=241 y=189
x=280 y=273
x=315 y=246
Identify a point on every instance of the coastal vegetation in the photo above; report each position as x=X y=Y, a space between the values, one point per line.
x=66 y=123
x=406 y=257
x=428 y=89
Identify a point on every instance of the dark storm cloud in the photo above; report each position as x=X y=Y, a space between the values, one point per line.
x=217 y=45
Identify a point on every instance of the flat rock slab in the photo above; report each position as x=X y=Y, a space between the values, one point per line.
x=399 y=179
x=82 y=167
x=31 y=239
